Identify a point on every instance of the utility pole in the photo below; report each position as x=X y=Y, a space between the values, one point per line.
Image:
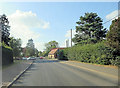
x=71 y=37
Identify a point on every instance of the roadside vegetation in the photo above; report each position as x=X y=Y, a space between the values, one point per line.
x=48 y=46
x=93 y=43
x=11 y=47
x=7 y=53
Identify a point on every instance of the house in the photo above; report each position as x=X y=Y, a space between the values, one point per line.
x=53 y=52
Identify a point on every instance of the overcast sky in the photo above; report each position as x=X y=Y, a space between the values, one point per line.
x=46 y=21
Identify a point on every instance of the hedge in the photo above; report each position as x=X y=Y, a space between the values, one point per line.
x=97 y=53
x=61 y=55
x=7 y=55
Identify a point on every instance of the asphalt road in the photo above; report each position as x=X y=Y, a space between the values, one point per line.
x=62 y=73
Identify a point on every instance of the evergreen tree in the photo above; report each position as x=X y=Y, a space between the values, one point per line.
x=89 y=27
x=4 y=28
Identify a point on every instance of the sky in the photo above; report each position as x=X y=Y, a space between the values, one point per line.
x=47 y=21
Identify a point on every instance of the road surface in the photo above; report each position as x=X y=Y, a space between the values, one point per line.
x=63 y=73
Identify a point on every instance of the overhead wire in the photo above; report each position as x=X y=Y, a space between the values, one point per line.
x=112 y=19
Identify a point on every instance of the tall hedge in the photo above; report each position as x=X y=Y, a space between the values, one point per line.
x=7 y=55
x=61 y=55
x=97 y=53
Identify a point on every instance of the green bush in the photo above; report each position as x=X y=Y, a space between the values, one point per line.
x=115 y=61
x=61 y=55
x=97 y=53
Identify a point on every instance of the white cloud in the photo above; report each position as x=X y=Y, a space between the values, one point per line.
x=40 y=46
x=21 y=24
x=112 y=15
x=28 y=19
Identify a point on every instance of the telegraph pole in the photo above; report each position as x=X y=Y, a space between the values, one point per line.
x=71 y=37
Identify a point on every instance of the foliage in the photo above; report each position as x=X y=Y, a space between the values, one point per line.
x=7 y=54
x=29 y=51
x=97 y=53
x=113 y=36
x=61 y=55
x=45 y=53
x=90 y=46
x=115 y=61
x=36 y=52
x=5 y=46
x=40 y=53
x=89 y=28
x=50 y=45
x=4 y=26
x=15 y=44
x=30 y=43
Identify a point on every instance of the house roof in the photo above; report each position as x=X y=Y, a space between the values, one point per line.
x=53 y=51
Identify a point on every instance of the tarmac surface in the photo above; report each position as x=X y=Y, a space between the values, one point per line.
x=66 y=73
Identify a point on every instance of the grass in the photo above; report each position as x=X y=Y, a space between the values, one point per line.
x=111 y=66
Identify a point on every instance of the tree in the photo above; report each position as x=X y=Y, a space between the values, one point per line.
x=4 y=26
x=36 y=52
x=40 y=53
x=30 y=51
x=89 y=27
x=113 y=35
x=15 y=44
x=50 y=45
x=45 y=53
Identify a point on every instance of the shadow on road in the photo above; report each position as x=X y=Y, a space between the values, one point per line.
x=47 y=61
